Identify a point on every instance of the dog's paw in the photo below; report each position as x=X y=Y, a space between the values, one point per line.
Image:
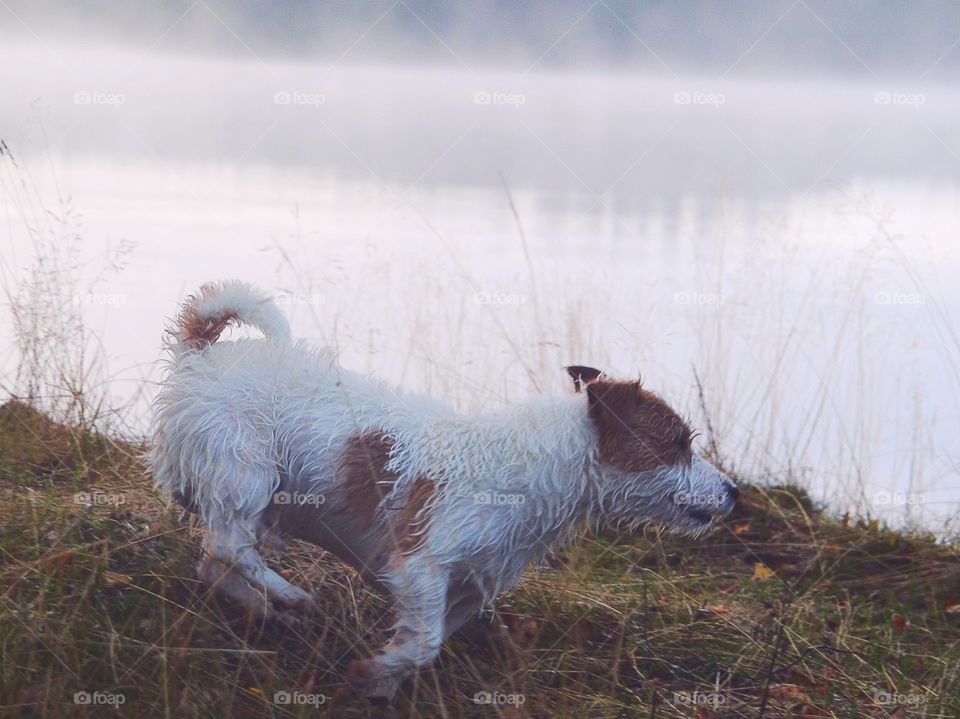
x=362 y=676
x=260 y=613
x=268 y=613
x=383 y=691
x=287 y=620
x=295 y=599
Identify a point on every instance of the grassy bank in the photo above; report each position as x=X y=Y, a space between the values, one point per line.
x=783 y=611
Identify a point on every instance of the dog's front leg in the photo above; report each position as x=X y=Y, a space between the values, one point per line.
x=419 y=590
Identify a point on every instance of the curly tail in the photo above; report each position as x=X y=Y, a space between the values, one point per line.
x=207 y=313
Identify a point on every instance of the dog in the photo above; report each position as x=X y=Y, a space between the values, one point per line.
x=270 y=439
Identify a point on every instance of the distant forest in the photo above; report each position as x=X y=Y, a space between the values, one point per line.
x=888 y=38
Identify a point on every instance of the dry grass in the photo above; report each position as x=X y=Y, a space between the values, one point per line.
x=781 y=612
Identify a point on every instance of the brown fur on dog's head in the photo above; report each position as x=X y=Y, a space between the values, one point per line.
x=637 y=430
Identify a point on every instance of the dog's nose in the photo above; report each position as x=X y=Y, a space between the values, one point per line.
x=733 y=492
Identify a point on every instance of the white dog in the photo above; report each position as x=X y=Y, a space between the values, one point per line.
x=267 y=439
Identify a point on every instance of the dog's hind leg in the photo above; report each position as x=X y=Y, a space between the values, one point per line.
x=232 y=544
x=220 y=578
x=270 y=538
x=242 y=493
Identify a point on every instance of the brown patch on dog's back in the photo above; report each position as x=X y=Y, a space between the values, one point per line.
x=637 y=431
x=410 y=524
x=366 y=482
x=365 y=479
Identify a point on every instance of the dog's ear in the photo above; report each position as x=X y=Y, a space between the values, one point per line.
x=582 y=376
x=612 y=405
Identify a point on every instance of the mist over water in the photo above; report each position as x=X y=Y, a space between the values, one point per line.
x=627 y=137
x=793 y=239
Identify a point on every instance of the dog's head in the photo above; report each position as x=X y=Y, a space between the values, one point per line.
x=648 y=469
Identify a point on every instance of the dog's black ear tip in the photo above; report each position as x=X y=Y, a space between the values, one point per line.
x=583 y=375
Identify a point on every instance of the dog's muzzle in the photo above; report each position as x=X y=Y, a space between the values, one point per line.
x=705 y=507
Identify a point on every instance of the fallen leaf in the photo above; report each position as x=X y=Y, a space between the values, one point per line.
x=899 y=622
x=60 y=559
x=952 y=609
x=761 y=571
x=741 y=528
